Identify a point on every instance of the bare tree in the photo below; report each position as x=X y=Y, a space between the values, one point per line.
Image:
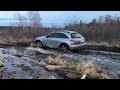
x=34 y=18
x=20 y=23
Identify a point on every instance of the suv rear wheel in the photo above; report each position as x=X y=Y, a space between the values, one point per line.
x=64 y=46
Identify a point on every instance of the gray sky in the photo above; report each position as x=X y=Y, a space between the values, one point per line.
x=61 y=17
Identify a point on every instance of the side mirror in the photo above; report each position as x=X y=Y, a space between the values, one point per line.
x=47 y=36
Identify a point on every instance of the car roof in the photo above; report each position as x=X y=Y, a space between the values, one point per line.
x=65 y=31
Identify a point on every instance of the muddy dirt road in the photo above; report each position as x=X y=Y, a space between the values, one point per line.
x=21 y=62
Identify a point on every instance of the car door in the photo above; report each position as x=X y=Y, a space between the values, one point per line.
x=55 y=42
x=58 y=39
x=52 y=40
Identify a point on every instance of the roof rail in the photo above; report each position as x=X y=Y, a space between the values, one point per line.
x=62 y=31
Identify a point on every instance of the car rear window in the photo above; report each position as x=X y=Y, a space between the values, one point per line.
x=75 y=35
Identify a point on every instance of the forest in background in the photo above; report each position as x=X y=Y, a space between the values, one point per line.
x=104 y=29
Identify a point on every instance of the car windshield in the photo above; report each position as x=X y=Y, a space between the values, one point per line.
x=75 y=35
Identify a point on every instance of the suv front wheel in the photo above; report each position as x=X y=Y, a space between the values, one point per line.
x=39 y=44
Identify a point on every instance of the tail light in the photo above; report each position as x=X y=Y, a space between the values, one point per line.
x=73 y=41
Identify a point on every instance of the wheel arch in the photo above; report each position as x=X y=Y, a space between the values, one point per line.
x=37 y=41
x=64 y=43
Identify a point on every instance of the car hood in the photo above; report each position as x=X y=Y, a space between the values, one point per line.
x=40 y=37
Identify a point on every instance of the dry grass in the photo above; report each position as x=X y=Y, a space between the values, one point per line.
x=1 y=63
x=118 y=74
x=50 y=77
x=11 y=40
x=32 y=57
x=14 y=76
x=42 y=64
x=73 y=76
x=31 y=54
x=56 y=61
x=2 y=69
x=49 y=67
x=52 y=67
x=87 y=67
x=3 y=60
x=28 y=77
x=74 y=71
x=34 y=63
x=43 y=76
x=19 y=65
x=18 y=54
x=91 y=70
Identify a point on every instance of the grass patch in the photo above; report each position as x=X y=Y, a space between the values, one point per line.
x=34 y=63
x=2 y=60
x=118 y=74
x=14 y=76
x=82 y=70
x=43 y=76
x=18 y=65
x=91 y=70
x=18 y=54
x=2 y=69
x=31 y=54
x=1 y=63
x=32 y=57
x=42 y=64
x=28 y=77
x=52 y=64
x=87 y=67
x=56 y=61
x=52 y=67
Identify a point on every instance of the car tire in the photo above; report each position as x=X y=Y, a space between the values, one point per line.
x=64 y=46
x=39 y=44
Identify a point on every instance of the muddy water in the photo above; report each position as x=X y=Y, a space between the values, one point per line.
x=23 y=67
x=109 y=61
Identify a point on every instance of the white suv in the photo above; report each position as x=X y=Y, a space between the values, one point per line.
x=64 y=39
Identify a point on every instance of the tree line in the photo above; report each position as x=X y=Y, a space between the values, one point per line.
x=104 y=29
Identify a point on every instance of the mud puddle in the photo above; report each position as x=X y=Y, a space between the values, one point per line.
x=109 y=61
x=20 y=63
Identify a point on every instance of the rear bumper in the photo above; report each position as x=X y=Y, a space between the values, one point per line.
x=74 y=47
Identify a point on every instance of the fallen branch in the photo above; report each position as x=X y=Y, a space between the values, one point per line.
x=84 y=76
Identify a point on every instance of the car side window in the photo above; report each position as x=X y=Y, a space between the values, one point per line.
x=52 y=35
x=61 y=35
x=57 y=35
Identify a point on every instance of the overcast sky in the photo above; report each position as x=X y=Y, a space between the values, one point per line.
x=61 y=17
